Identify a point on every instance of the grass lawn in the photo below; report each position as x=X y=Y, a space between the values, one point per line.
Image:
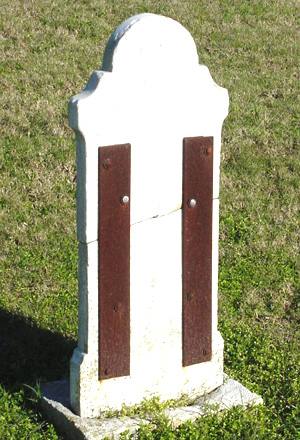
x=48 y=50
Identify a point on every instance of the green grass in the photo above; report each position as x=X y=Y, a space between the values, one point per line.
x=49 y=48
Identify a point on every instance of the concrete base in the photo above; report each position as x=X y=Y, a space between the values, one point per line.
x=56 y=407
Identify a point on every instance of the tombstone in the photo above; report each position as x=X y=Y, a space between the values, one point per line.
x=148 y=133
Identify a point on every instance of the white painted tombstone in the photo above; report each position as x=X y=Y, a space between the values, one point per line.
x=151 y=93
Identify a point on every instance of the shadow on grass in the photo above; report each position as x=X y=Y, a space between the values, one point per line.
x=29 y=354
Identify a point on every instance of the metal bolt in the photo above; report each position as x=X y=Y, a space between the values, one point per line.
x=125 y=200
x=106 y=164
x=208 y=151
x=192 y=203
x=189 y=296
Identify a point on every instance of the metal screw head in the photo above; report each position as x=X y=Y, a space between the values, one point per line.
x=208 y=151
x=106 y=163
x=189 y=296
x=192 y=203
x=125 y=200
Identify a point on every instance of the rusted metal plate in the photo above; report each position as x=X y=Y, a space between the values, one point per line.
x=114 y=260
x=197 y=248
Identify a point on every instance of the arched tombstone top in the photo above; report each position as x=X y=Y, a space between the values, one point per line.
x=150 y=93
x=148 y=43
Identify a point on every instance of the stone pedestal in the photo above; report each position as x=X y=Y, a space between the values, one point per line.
x=56 y=405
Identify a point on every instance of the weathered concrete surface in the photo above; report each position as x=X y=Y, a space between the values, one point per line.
x=55 y=404
x=228 y=395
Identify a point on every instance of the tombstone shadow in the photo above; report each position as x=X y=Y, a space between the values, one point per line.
x=29 y=354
